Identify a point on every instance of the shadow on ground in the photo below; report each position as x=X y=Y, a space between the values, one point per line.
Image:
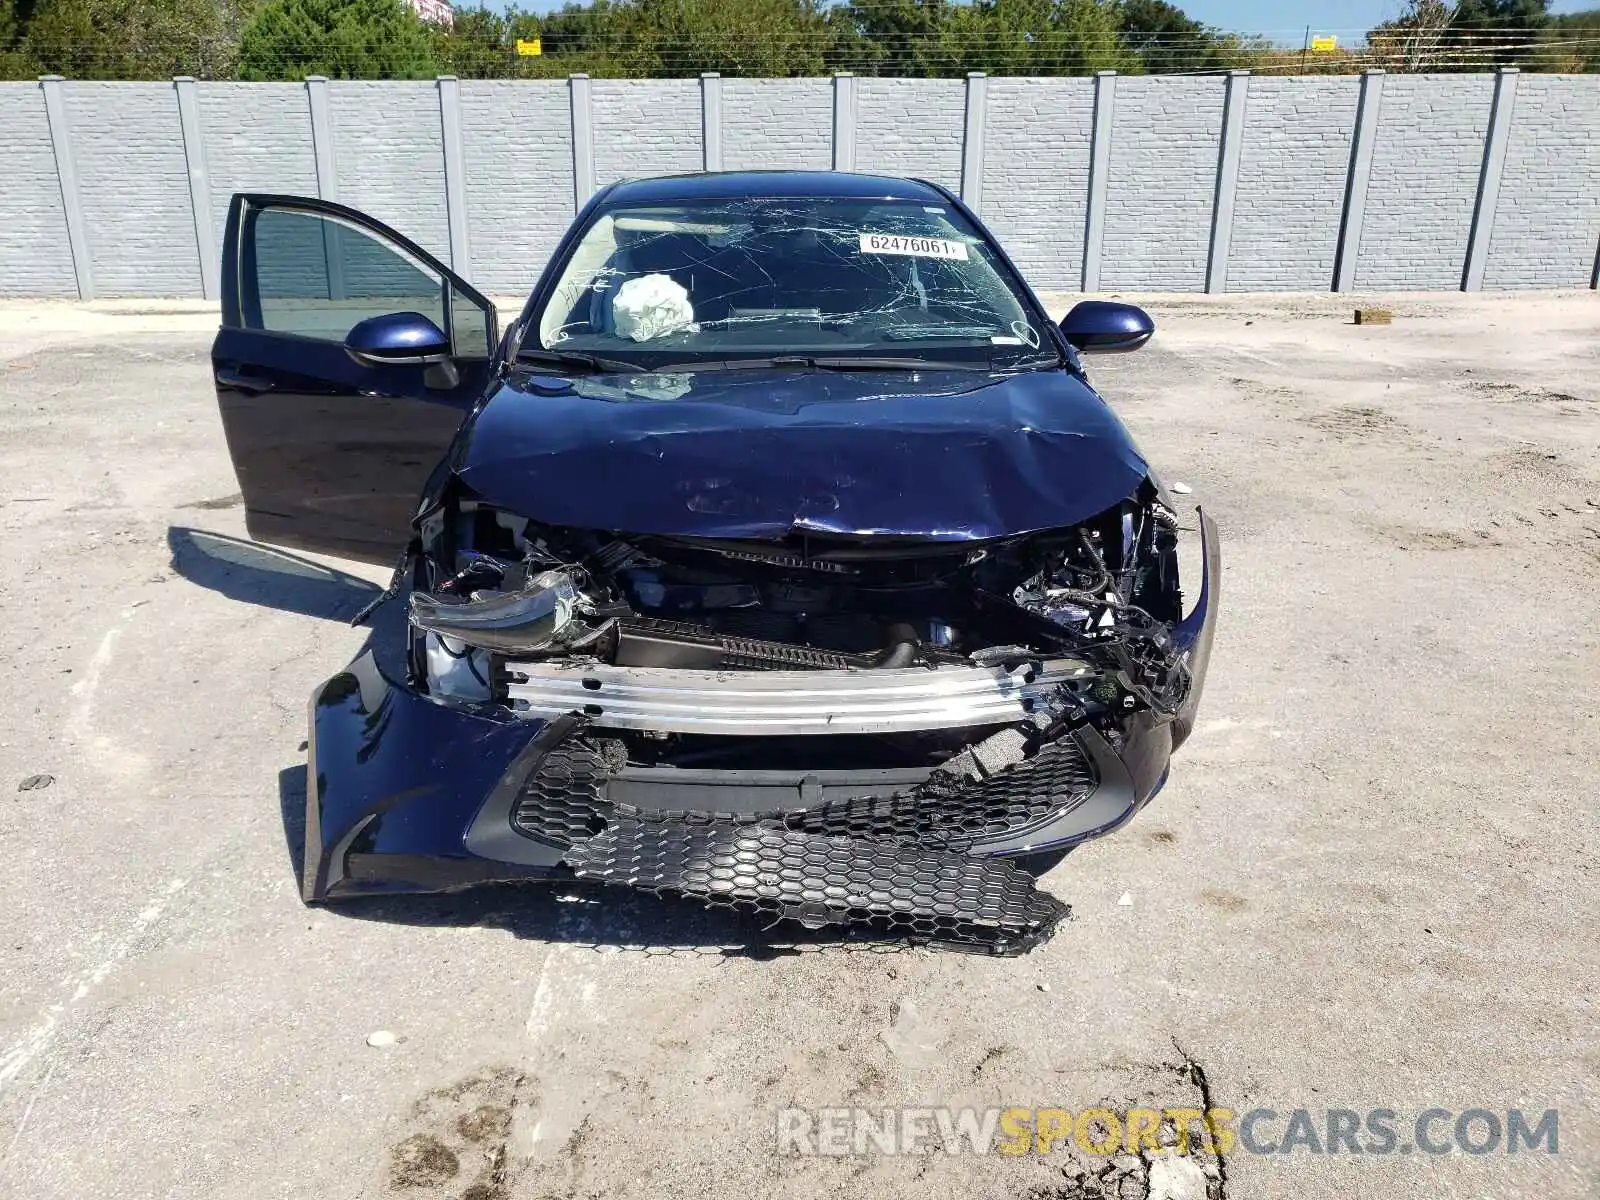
x=602 y=917
x=255 y=574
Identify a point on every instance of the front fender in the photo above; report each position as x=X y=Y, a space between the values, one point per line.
x=391 y=772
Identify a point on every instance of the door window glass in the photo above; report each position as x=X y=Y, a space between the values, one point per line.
x=318 y=277
x=471 y=330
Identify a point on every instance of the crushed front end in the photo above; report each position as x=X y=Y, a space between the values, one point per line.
x=885 y=734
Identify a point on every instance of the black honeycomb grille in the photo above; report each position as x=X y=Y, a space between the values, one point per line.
x=563 y=800
x=894 y=888
x=953 y=812
x=894 y=865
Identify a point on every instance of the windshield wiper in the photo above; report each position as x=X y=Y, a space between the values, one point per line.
x=828 y=362
x=576 y=358
x=917 y=333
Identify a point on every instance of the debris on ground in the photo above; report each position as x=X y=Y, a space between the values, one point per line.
x=1374 y=316
x=34 y=783
x=1176 y=1178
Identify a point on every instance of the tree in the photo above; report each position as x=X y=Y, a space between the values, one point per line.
x=14 y=62
x=1472 y=35
x=343 y=39
x=1165 y=38
x=893 y=37
x=750 y=37
x=1034 y=37
x=129 y=39
x=483 y=45
x=1495 y=33
x=1571 y=43
x=1412 y=41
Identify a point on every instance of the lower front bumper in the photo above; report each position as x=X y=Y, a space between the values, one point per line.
x=408 y=794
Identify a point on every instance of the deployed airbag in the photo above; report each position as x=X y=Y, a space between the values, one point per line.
x=650 y=306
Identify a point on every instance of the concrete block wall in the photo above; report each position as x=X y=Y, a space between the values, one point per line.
x=1174 y=183
x=1549 y=203
x=517 y=142
x=133 y=186
x=910 y=127
x=777 y=124
x=35 y=255
x=646 y=127
x=1293 y=167
x=1426 y=164
x=1161 y=181
x=1035 y=196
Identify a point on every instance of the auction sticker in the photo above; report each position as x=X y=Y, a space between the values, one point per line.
x=917 y=247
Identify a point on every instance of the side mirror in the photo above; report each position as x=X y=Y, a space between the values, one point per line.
x=1105 y=327
x=397 y=339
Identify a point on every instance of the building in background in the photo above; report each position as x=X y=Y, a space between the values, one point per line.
x=435 y=12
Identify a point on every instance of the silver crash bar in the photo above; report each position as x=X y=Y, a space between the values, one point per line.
x=894 y=700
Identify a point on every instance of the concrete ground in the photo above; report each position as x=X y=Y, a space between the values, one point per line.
x=1370 y=884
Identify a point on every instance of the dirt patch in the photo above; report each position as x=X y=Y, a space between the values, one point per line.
x=1512 y=391
x=486 y=1123
x=1217 y=898
x=422 y=1160
x=1418 y=537
x=1350 y=421
x=460 y=1129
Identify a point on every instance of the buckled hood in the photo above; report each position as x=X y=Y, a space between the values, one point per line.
x=942 y=455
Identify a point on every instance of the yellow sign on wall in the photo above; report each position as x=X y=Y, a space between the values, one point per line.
x=1324 y=45
x=531 y=47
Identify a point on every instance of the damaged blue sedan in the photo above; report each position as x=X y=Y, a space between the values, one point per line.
x=778 y=555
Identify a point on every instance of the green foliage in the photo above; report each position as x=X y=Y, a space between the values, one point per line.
x=1571 y=42
x=1164 y=39
x=343 y=39
x=893 y=37
x=1501 y=14
x=382 y=39
x=1471 y=35
x=918 y=38
x=483 y=45
x=1037 y=37
x=128 y=39
x=14 y=61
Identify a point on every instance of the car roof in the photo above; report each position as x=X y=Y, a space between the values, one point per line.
x=732 y=185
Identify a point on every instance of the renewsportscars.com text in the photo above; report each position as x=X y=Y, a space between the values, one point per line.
x=1103 y=1131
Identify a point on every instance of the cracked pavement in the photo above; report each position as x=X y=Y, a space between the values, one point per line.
x=1370 y=883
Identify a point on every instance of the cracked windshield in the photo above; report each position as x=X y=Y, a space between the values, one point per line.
x=743 y=282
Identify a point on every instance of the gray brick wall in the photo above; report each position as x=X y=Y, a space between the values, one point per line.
x=133 y=182
x=257 y=138
x=1548 y=218
x=1163 y=161
x=517 y=140
x=911 y=127
x=1426 y=161
x=1037 y=137
x=1293 y=166
x=772 y=124
x=646 y=127
x=1161 y=183
x=389 y=147
x=35 y=259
